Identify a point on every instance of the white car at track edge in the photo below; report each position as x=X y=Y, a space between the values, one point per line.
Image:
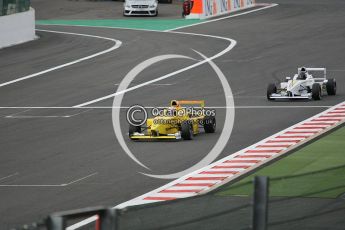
x=140 y=8
x=303 y=85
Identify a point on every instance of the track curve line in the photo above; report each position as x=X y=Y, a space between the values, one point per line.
x=117 y=44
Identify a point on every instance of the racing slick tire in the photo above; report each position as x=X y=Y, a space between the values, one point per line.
x=209 y=124
x=272 y=88
x=316 y=92
x=133 y=129
x=331 y=87
x=186 y=131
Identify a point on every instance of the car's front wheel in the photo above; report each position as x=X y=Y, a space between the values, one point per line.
x=271 y=89
x=331 y=87
x=133 y=129
x=316 y=92
x=186 y=131
x=209 y=124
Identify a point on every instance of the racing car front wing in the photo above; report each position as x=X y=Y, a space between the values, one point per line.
x=286 y=97
x=142 y=137
x=278 y=96
x=148 y=138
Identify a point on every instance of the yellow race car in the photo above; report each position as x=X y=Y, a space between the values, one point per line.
x=176 y=122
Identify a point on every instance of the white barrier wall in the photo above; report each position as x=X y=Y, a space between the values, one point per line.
x=17 y=28
x=210 y=8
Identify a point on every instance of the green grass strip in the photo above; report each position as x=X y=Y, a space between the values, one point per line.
x=317 y=170
x=145 y=24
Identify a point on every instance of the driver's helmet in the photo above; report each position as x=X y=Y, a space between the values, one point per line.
x=302 y=73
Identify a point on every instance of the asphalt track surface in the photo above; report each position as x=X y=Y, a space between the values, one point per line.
x=41 y=150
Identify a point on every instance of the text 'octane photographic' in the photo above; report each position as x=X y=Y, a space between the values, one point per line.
x=137 y=115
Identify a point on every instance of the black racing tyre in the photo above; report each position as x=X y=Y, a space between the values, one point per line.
x=186 y=131
x=316 y=92
x=133 y=129
x=331 y=87
x=272 y=88
x=209 y=124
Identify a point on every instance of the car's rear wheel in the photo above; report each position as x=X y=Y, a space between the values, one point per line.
x=134 y=129
x=271 y=89
x=331 y=87
x=186 y=131
x=316 y=92
x=209 y=124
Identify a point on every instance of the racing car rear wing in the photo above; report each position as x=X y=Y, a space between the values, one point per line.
x=187 y=102
x=316 y=70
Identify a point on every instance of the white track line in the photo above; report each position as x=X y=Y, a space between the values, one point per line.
x=83 y=223
x=6 y=177
x=49 y=185
x=31 y=117
x=150 y=107
x=80 y=179
x=226 y=17
x=157 y=84
x=115 y=46
x=15 y=116
x=232 y=44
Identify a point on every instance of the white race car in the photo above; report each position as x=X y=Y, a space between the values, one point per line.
x=303 y=85
x=140 y=7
